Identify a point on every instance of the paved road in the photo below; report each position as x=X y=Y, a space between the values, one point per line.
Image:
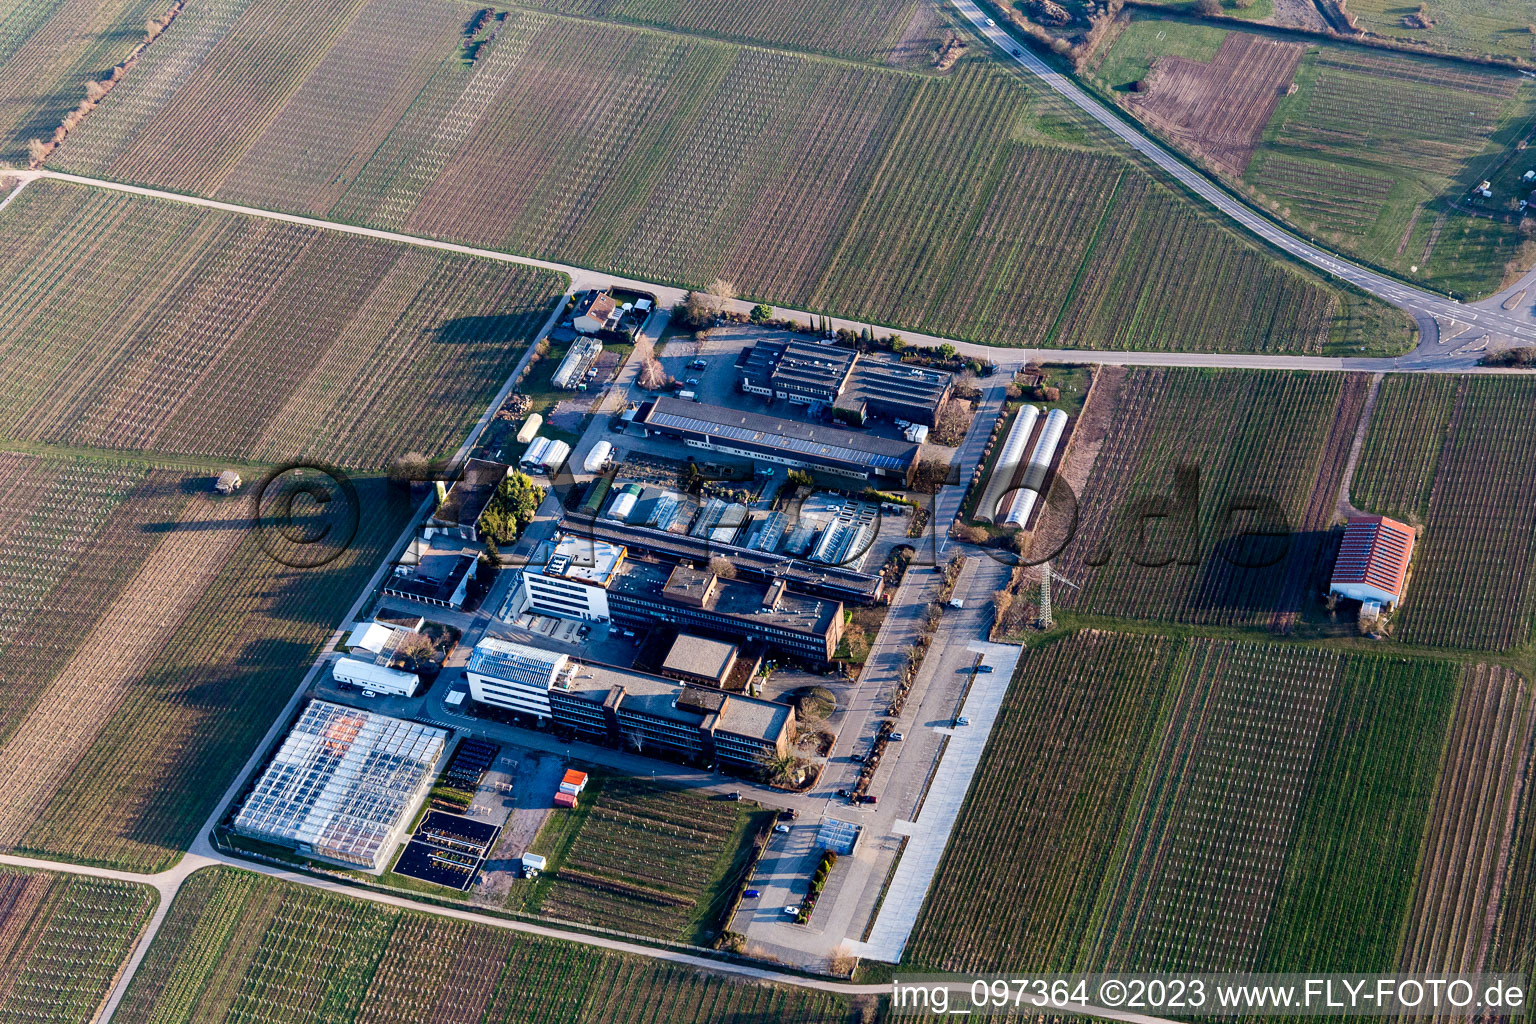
x=169 y=882
x=1453 y=336
x=1428 y=309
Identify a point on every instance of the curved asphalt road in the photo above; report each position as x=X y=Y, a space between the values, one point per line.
x=1428 y=309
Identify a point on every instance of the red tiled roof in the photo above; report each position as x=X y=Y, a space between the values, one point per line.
x=565 y=799
x=574 y=777
x=1375 y=551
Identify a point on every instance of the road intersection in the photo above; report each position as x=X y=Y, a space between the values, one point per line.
x=1453 y=336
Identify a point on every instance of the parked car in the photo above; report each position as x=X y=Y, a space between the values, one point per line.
x=856 y=757
x=750 y=894
x=962 y=721
x=782 y=830
x=369 y=693
x=789 y=813
x=897 y=737
x=983 y=668
x=956 y=602
x=733 y=795
x=692 y=381
x=843 y=793
x=793 y=911
x=869 y=798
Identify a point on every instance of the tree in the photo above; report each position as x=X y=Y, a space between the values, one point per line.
x=653 y=376
x=897 y=342
x=695 y=312
x=1002 y=601
x=722 y=567
x=1209 y=8
x=511 y=508
x=761 y=312
x=418 y=647
x=946 y=351
x=777 y=767
x=972 y=534
x=408 y=468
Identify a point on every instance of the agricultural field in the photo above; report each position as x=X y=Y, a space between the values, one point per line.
x=1444 y=455
x=561 y=138
x=63 y=938
x=696 y=849
x=149 y=326
x=1476 y=28
x=244 y=947
x=49 y=50
x=1371 y=152
x=149 y=639
x=1243 y=542
x=864 y=32
x=1114 y=753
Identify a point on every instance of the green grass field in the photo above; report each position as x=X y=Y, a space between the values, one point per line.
x=1087 y=841
x=63 y=938
x=776 y=171
x=696 y=849
x=1371 y=151
x=242 y=947
x=1477 y=28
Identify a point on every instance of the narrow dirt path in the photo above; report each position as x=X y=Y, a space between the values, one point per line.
x=1344 y=508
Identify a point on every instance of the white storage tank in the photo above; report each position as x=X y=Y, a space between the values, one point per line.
x=598 y=457
x=1023 y=505
x=1007 y=463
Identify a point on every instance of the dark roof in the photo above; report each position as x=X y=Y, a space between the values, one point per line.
x=737 y=599
x=884 y=380
x=810 y=441
x=802 y=367
x=428 y=588
x=830 y=580
x=471 y=492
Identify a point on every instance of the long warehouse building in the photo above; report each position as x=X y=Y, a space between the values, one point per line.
x=841 y=453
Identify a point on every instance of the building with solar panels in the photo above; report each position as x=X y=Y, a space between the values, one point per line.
x=513 y=676
x=845 y=454
x=859 y=385
x=343 y=785
x=1372 y=566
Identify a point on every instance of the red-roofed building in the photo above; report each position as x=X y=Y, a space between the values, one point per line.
x=1373 y=560
x=563 y=799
